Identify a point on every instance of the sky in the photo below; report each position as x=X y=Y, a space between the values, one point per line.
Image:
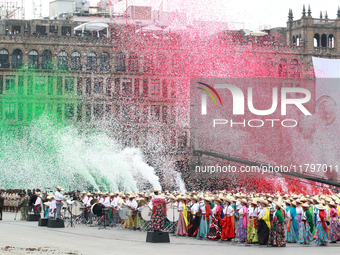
x=250 y=13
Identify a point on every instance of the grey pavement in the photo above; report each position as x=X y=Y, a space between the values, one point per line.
x=23 y=237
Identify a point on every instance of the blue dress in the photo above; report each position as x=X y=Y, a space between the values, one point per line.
x=292 y=236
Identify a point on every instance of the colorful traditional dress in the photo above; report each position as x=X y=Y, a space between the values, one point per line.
x=205 y=221
x=215 y=228
x=299 y=213
x=228 y=224
x=306 y=228
x=322 y=237
x=263 y=226
x=311 y=212
x=334 y=229
x=287 y=209
x=243 y=224
x=236 y=208
x=182 y=225
x=158 y=213
x=292 y=233
x=194 y=220
x=252 y=236
x=277 y=233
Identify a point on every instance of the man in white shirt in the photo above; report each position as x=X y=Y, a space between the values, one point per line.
x=37 y=203
x=106 y=200
x=101 y=198
x=84 y=197
x=114 y=205
x=59 y=198
x=88 y=206
x=115 y=200
x=53 y=208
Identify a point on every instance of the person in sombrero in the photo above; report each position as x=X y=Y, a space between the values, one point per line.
x=59 y=198
x=194 y=217
x=292 y=233
x=228 y=223
x=263 y=225
x=322 y=237
x=306 y=228
x=334 y=228
x=182 y=224
x=157 y=222
x=277 y=232
x=205 y=219
x=243 y=220
x=252 y=236
x=215 y=228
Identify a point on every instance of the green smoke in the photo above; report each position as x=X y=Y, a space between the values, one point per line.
x=45 y=142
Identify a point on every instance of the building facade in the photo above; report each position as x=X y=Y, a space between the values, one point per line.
x=317 y=37
x=132 y=77
x=88 y=80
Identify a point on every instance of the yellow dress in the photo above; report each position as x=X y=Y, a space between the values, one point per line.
x=266 y=217
x=184 y=212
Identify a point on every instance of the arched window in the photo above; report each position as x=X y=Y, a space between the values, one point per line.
x=120 y=62
x=133 y=63
x=91 y=62
x=316 y=40
x=324 y=40
x=294 y=41
x=282 y=68
x=331 y=41
x=62 y=61
x=17 y=59
x=33 y=59
x=104 y=62
x=46 y=61
x=4 y=58
x=75 y=61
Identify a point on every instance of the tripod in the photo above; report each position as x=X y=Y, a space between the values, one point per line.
x=71 y=217
x=104 y=210
x=173 y=220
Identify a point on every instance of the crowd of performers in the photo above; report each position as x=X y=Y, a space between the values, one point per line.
x=34 y=201
x=265 y=219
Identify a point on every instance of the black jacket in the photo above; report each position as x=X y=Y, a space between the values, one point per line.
x=1 y=201
x=32 y=199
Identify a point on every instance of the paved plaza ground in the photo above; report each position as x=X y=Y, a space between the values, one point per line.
x=23 y=237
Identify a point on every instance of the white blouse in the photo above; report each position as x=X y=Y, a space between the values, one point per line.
x=252 y=211
x=202 y=207
x=180 y=206
x=299 y=210
x=263 y=212
x=195 y=208
x=228 y=210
